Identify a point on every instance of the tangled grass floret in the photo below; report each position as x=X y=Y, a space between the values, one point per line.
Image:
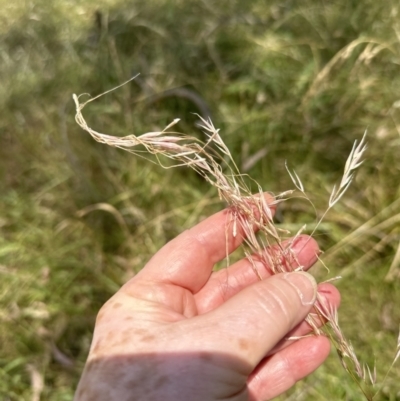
x=213 y=161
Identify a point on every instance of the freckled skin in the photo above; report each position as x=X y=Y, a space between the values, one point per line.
x=148 y=338
x=97 y=347
x=100 y=316
x=244 y=344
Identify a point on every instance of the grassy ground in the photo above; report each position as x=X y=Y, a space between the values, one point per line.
x=283 y=81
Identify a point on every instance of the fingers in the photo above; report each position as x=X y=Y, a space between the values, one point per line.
x=252 y=322
x=225 y=283
x=331 y=296
x=278 y=373
x=187 y=261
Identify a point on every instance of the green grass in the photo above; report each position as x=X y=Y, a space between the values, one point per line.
x=78 y=218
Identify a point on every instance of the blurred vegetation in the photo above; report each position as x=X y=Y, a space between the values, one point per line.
x=295 y=81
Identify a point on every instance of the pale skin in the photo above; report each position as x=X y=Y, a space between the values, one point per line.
x=178 y=331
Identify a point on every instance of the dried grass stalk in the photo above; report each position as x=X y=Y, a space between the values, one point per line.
x=216 y=165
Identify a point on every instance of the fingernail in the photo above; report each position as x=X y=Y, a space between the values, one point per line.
x=308 y=258
x=304 y=284
x=299 y=243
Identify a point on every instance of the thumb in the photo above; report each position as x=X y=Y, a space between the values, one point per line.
x=252 y=322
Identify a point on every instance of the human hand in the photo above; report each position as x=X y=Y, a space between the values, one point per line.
x=179 y=331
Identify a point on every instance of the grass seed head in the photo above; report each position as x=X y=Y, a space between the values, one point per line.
x=216 y=165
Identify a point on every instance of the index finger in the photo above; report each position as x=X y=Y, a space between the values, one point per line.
x=187 y=261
